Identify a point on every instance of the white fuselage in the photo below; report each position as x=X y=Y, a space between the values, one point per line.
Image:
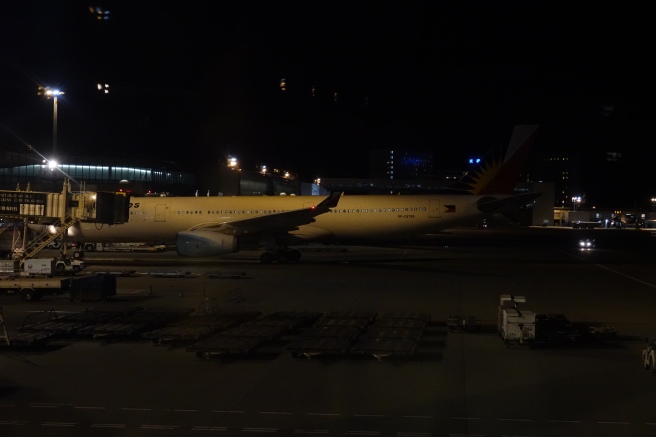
x=358 y=217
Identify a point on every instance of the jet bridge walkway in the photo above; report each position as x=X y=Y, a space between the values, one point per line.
x=60 y=211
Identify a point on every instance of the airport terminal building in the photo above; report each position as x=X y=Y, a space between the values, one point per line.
x=96 y=174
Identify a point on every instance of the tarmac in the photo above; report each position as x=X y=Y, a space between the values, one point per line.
x=352 y=340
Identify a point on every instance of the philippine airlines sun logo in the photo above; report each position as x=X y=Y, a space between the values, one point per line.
x=483 y=176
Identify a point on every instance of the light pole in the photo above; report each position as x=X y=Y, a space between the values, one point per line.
x=52 y=94
x=653 y=203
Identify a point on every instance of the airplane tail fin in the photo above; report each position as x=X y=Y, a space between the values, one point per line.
x=495 y=176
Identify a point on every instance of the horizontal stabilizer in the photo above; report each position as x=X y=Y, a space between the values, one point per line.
x=491 y=205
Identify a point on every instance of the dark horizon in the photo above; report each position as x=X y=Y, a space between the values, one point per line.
x=194 y=83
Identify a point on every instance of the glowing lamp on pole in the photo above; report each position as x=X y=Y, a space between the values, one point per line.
x=52 y=94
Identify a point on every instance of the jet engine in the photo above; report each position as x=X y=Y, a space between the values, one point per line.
x=205 y=243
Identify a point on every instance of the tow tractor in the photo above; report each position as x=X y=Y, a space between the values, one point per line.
x=53 y=266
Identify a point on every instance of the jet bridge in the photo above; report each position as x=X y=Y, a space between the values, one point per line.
x=60 y=210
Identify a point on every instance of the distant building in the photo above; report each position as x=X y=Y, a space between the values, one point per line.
x=400 y=164
x=563 y=168
x=385 y=186
x=230 y=181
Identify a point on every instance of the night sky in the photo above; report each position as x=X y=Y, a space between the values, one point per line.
x=194 y=81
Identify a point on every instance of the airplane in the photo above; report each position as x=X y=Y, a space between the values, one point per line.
x=211 y=226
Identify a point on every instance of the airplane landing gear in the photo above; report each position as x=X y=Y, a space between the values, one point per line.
x=281 y=256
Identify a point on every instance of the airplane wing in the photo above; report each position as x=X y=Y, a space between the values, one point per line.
x=277 y=223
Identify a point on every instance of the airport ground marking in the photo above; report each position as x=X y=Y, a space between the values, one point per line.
x=49 y=404
x=90 y=408
x=627 y=276
x=158 y=426
x=64 y=424
x=613 y=423
x=362 y=432
x=414 y=434
x=466 y=435
x=108 y=425
x=615 y=271
x=130 y=290
x=208 y=428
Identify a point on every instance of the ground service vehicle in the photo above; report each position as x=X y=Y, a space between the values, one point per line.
x=515 y=325
x=122 y=247
x=649 y=357
x=37 y=278
x=587 y=225
x=54 y=245
x=53 y=266
x=34 y=288
x=96 y=287
x=555 y=328
x=463 y=323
